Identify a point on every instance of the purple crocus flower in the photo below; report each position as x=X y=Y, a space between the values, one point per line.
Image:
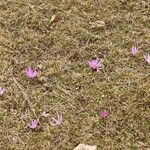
x=31 y=73
x=134 y=51
x=147 y=58
x=2 y=91
x=95 y=64
x=33 y=124
x=57 y=121
x=104 y=114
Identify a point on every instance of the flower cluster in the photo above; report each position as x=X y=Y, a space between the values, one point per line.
x=134 y=51
x=94 y=64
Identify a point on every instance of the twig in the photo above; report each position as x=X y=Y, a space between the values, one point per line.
x=130 y=111
x=26 y=98
x=86 y=44
x=128 y=114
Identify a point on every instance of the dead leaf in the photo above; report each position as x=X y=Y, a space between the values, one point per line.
x=97 y=24
x=54 y=18
x=85 y=147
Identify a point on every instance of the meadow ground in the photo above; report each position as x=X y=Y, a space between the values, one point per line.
x=58 y=38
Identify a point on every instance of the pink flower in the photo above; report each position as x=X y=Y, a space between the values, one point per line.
x=147 y=58
x=33 y=124
x=104 y=114
x=95 y=64
x=134 y=51
x=2 y=91
x=31 y=73
x=57 y=121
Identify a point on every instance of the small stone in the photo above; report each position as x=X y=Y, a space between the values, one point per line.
x=85 y=147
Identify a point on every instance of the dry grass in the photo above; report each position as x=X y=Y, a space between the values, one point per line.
x=60 y=50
